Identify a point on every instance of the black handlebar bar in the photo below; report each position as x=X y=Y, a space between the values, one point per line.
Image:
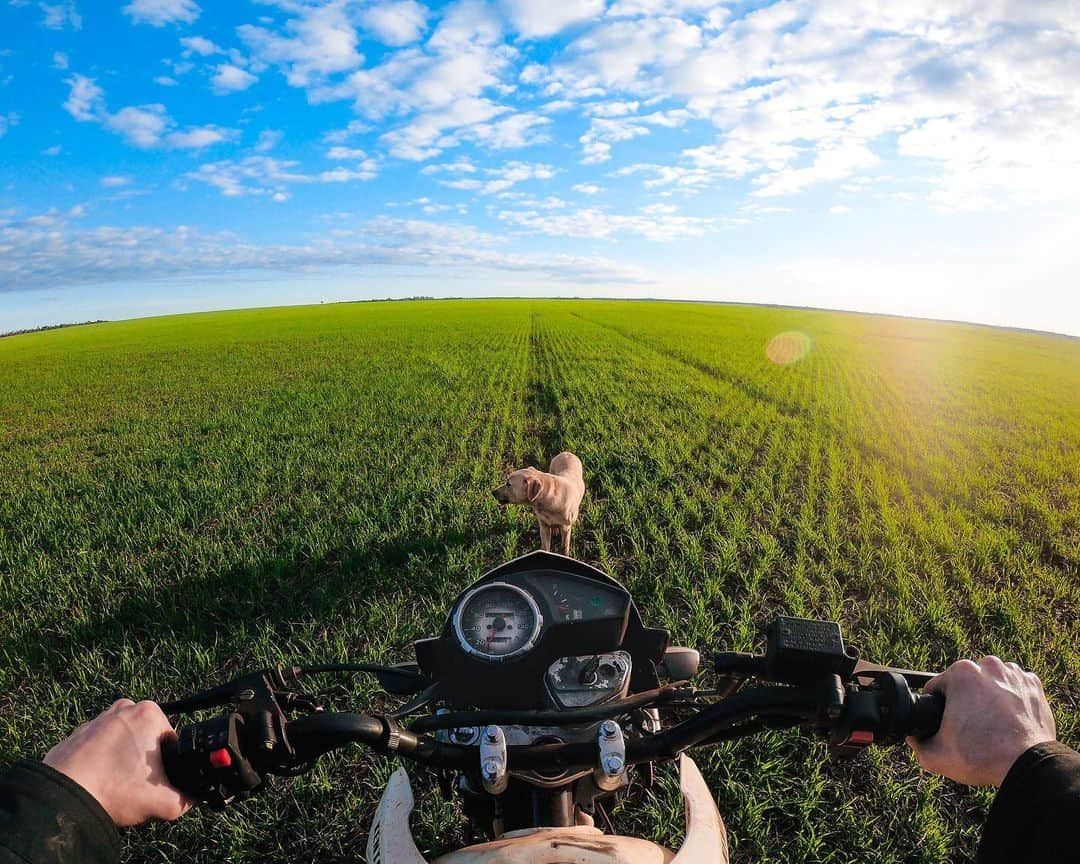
x=226 y=757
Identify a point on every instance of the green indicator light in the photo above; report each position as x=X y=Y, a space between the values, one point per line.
x=595 y=601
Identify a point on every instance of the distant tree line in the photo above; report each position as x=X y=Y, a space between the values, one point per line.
x=51 y=327
x=394 y=299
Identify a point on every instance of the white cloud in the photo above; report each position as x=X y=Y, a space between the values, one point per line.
x=830 y=162
x=501 y=178
x=679 y=177
x=803 y=92
x=51 y=151
x=158 y=13
x=839 y=209
x=631 y=8
x=268 y=140
x=536 y=18
x=199 y=45
x=367 y=169
x=395 y=23
x=144 y=126
x=6 y=122
x=114 y=181
x=86 y=101
x=588 y=188
x=431 y=132
x=660 y=223
x=460 y=166
x=340 y=136
x=267 y=176
x=198 y=137
x=60 y=60
x=319 y=41
x=518 y=130
x=60 y=15
x=166 y=81
x=446 y=91
x=345 y=153
x=50 y=251
x=231 y=79
x=605 y=131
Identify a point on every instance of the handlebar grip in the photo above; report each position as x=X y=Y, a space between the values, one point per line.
x=207 y=762
x=927 y=709
x=179 y=773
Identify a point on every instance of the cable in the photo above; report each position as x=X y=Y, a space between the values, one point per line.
x=456 y=719
x=370 y=668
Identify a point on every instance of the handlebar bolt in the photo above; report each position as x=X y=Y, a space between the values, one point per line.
x=245 y=695
x=613 y=764
x=610 y=771
x=493 y=771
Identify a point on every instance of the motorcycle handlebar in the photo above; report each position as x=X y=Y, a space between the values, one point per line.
x=213 y=761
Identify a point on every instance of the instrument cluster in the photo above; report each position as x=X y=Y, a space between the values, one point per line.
x=500 y=621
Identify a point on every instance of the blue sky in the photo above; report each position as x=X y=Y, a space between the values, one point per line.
x=169 y=155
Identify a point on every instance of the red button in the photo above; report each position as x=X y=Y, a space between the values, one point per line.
x=220 y=758
x=860 y=737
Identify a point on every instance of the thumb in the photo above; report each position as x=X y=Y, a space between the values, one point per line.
x=937 y=684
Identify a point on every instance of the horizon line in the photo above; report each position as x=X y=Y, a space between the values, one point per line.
x=430 y=298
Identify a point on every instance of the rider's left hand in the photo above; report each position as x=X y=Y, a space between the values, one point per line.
x=116 y=757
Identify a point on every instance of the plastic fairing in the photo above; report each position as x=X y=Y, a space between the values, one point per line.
x=391 y=839
x=706 y=837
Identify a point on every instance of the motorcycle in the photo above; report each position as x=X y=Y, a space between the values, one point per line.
x=543 y=692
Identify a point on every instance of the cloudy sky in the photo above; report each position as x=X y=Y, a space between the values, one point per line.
x=919 y=157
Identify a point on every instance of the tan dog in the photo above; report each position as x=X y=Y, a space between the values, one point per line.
x=555 y=497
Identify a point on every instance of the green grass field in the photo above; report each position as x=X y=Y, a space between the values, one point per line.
x=182 y=498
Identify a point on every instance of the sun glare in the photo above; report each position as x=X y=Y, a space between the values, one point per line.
x=788 y=347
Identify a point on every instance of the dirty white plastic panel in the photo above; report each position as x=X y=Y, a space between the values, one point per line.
x=706 y=837
x=390 y=840
x=577 y=845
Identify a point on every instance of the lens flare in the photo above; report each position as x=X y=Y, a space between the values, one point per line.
x=788 y=347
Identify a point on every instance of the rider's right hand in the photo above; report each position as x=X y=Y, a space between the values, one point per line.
x=116 y=757
x=994 y=711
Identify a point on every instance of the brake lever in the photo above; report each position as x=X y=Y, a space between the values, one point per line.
x=226 y=757
x=866 y=673
x=232 y=692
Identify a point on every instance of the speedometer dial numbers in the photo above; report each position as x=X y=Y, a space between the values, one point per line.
x=497 y=621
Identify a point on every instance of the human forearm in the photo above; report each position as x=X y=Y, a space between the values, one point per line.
x=46 y=817
x=1036 y=813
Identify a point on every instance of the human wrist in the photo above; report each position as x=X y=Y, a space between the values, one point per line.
x=1015 y=757
x=86 y=780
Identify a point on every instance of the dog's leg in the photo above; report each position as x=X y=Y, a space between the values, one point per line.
x=545 y=537
x=565 y=532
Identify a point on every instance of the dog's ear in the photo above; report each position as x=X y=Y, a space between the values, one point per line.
x=533 y=487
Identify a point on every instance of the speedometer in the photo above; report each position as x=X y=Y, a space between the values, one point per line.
x=497 y=621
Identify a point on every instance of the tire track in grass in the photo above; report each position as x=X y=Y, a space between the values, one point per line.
x=544 y=433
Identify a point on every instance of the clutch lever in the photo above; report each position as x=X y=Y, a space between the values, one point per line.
x=866 y=673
